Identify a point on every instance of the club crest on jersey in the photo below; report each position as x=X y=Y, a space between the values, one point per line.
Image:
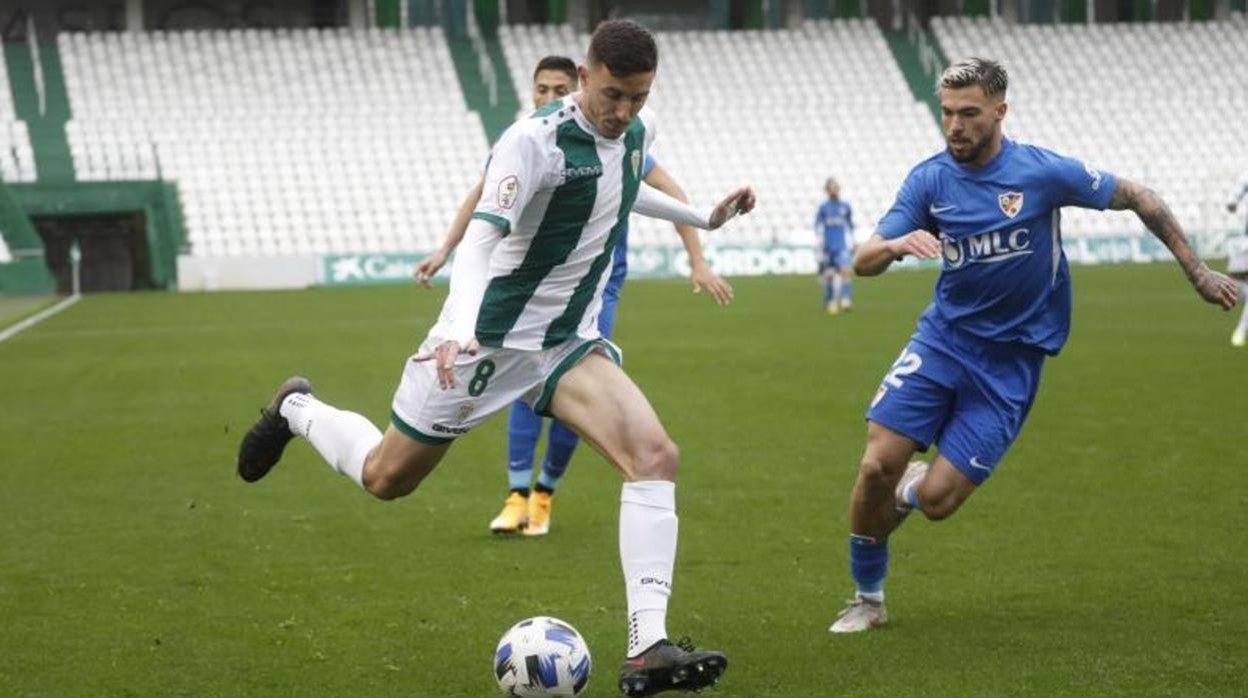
x=636 y=162
x=1011 y=203
x=508 y=190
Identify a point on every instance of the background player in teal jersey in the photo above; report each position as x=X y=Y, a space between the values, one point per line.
x=527 y=509
x=989 y=207
x=834 y=245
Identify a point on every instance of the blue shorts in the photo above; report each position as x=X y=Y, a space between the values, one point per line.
x=835 y=260
x=968 y=396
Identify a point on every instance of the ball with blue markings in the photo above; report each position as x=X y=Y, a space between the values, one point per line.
x=542 y=656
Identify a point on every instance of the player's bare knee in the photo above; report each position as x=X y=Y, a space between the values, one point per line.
x=387 y=486
x=940 y=508
x=935 y=512
x=670 y=460
x=659 y=459
x=875 y=474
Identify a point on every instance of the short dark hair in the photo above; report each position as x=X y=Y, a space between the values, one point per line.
x=625 y=47
x=561 y=63
x=986 y=73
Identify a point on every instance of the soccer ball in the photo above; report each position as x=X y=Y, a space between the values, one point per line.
x=542 y=656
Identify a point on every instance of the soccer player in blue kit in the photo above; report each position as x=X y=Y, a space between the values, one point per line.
x=990 y=208
x=834 y=228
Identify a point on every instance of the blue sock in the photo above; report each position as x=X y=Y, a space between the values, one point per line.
x=868 y=564
x=559 y=447
x=847 y=290
x=524 y=426
x=828 y=292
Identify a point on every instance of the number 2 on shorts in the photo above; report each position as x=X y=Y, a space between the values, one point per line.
x=907 y=363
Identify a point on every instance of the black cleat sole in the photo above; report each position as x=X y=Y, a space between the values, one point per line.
x=692 y=677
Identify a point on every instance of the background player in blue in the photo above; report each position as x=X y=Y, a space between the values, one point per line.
x=834 y=230
x=527 y=510
x=967 y=378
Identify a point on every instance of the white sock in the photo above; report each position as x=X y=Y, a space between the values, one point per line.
x=342 y=438
x=648 y=528
x=837 y=286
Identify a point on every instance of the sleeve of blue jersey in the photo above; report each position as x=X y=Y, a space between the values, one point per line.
x=909 y=210
x=1077 y=183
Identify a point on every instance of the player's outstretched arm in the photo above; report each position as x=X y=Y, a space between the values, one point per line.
x=431 y=264
x=700 y=273
x=653 y=203
x=1155 y=214
x=878 y=252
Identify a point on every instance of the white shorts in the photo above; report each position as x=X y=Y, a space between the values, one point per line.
x=484 y=384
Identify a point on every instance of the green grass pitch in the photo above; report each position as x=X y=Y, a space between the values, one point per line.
x=1107 y=556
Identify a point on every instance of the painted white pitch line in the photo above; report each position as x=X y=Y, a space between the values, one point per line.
x=9 y=332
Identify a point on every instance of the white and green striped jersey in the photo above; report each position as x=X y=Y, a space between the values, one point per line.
x=561 y=194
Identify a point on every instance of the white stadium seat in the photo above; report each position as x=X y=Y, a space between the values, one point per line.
x=17 y=159
x=281 y=141
x=1161 y=102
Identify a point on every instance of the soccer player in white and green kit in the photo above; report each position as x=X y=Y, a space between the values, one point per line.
x=521 y=322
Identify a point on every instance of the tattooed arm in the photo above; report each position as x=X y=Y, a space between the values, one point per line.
x=1155 y=214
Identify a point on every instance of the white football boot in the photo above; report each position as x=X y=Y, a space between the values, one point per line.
x=914 y=472
x=859 y=615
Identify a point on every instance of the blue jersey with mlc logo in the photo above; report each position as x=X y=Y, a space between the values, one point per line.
x=1004 y=277
x=833 y=222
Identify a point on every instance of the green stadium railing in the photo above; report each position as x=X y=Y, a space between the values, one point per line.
x=920 y=58
x=41 y=99
x=156 y=200
x=483 y=74
x=27 y=273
